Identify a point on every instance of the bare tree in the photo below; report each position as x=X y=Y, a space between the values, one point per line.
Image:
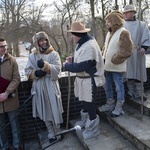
x=11 y=12
x=32 y=21
x=20 y=19
x=67 y=12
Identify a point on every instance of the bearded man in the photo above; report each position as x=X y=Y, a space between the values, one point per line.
x=44 y=68
x=118 y=48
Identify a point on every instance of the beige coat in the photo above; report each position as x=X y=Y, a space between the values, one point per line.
x=9 y=70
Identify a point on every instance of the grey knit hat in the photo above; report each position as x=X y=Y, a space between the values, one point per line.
x=129 y=8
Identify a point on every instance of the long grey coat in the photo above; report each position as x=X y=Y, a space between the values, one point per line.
x=42 y=103
x=136 y=68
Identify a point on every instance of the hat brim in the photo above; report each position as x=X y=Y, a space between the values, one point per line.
x=130 y=10
x=80 y=31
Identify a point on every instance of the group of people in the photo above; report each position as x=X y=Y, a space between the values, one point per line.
x=123 y=57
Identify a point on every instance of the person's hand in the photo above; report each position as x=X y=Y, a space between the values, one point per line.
x=40 y=73
x=142 y=51
x=64 y=63
x=40 y=63
x=3 y=96
x=69 y=59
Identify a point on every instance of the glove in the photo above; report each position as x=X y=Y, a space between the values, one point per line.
x=40 y=63
x=40 y=73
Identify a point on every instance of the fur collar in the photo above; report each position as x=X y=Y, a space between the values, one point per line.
x=35 y=51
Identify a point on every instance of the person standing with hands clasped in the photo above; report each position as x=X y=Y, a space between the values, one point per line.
x=44 y=68
x=88 y=65
x=136 y=66
x=118 y=48
x=9 y=81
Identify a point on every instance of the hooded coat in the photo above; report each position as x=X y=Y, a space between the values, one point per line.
x=118 y=45
x=48 y=96
x=9 y=70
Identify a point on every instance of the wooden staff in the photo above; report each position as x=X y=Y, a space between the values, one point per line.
x=68 y=104
x=140 y=57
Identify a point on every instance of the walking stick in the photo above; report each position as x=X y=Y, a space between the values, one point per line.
x=140 y=57
x=68 y=104
x=46 y=91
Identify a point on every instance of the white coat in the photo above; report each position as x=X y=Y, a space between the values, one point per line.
x=88 y=51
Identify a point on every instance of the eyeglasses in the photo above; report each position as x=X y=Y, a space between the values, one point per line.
x=3 y=46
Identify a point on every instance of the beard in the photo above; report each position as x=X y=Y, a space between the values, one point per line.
x=44 y=47
x=109 y=29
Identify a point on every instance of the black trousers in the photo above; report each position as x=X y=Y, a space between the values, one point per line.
x=90 y=106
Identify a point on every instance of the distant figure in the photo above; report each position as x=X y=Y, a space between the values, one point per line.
x=136 y=66
x=9 y=102
x=88 y=65
x=118 y=48
x=44 y=68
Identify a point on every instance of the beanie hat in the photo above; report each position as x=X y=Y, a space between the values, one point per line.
x=129 y=8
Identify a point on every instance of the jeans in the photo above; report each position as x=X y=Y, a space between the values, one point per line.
x=117 y=78
x=14 y=128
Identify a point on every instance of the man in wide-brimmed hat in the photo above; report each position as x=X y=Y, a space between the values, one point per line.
x=88 y=65
x=136 y=67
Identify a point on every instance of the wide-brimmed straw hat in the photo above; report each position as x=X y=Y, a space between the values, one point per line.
x=79 y=27
x=129 y=8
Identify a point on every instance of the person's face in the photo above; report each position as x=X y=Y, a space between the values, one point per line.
x=43 y=43
x=75 y=38
x=129 y=15
x=108 y=24
x=3 y=48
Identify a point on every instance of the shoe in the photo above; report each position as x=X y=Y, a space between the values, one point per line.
x=53 y=139
x=109 y=106
x=118 y=109
x=84 y=117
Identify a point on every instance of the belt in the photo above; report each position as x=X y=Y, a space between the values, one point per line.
x=85 y=77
